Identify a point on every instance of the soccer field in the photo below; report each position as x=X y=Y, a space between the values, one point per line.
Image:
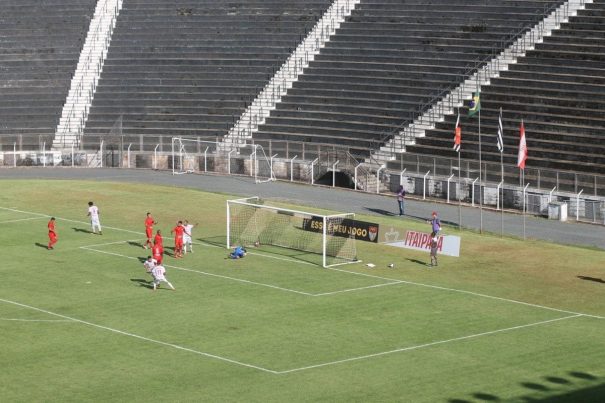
x=509 y=320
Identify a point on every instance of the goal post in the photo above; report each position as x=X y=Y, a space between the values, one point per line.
x=251 y=222
x=190 y=155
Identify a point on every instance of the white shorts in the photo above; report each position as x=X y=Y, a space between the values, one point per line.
x=157 y=280
x=186 y=239
x=95 y=222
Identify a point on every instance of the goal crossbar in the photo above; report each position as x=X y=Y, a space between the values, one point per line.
x=250 y=222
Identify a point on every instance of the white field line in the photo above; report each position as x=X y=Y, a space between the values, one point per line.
x=108 y=243
x=356 y=289
x=205 y=273
x=434 y=343
x=218 y=357
x=436 y=287
x=21 y=219
x=367 y=275
x=38 y=320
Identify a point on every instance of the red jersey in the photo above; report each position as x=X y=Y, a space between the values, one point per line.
x=149 y=222
x=158 y=240
x=157 y=252
x=178 y=231
x=51 y=226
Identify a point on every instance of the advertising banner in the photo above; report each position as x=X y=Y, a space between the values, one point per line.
x=361 y=230
x=448 y=245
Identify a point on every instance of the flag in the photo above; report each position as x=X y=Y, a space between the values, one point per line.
x=500 y=132
x=522 y=148
x=458 y=134
x=475 y=105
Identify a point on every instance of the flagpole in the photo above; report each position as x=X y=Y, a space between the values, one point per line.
x=502 y=190
x=459 y=198
x=501 y=142
x=480 y=181
x=523 y=193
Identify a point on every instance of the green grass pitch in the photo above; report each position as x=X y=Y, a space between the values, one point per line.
x=509 y=320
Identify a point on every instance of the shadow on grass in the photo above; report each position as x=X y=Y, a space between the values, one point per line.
x=82 y=230
x=276 y=252
x=135 y=243
x=142 y=282
x=420 y=262
x=596 y=280
x=549 y=389
x=41 y=245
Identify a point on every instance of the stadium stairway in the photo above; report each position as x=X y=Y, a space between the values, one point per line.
x=557 y=89
x=190 y=69
x=385 y=62
x=39 y=48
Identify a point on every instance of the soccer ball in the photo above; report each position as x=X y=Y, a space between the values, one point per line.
x=391 y=265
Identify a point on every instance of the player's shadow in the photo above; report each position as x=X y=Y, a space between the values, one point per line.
x=134 y=243
x=417 y=261
x=81 y=230
x=214 y=241
x=41 y=245
x=142 y=259
x=142 y=282
x=380 y=211
x=596 y=280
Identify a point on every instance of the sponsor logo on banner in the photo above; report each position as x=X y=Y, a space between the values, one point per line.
x=446 y=244
x=347 y=228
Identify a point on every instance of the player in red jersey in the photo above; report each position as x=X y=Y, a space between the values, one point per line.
x=52 y=235
x=178 y=239
x=149 y=230
x=158 y=252
x=158 y=238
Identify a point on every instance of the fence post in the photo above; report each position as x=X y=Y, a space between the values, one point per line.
x=378 y=178
x=424 y=185
x=334 y=173
x=578 y=205
x=292 y=168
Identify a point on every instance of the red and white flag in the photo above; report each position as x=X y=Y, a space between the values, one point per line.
x=458 y=134
x=522 y=148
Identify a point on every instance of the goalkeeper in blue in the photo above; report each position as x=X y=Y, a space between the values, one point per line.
x=238 y=253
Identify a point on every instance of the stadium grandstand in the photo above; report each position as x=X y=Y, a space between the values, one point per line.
x=369 y=90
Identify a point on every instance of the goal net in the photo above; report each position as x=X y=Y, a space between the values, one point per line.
x=252 y=223
x=195 y=155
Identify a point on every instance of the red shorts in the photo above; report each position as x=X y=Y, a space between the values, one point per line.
x=149 y=232
x=52 y=236
x=158 y=258
x=178 y=242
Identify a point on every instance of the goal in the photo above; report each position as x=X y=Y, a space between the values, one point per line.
x=329 y=237
x=191 y=155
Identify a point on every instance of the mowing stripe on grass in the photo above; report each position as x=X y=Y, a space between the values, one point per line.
x=205 y=273
x=364 y=274
x=470 y=293
x=38 y=320
x=21 y=219
x=136 y=336
x=435 y=343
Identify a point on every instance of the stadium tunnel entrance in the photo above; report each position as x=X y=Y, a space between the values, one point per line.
x=341 y=180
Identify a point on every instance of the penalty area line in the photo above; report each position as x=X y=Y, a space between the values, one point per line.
x=205 y=273
x=136 y=336
x=21 y=219
x=420 y=346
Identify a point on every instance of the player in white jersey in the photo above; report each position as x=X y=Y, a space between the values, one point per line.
x=93 y=213
x=149 y=264
x=159 y=275
x=187 y=236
